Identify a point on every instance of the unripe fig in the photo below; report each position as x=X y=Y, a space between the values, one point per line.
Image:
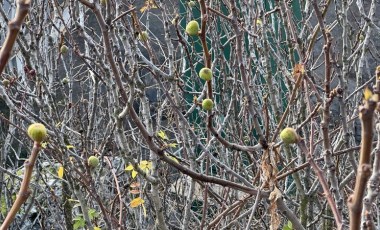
x=37 y=132
x=192 y=28
x=64 y=49
x=93 y=161
x=289 y=136
x=65 y=80
x=205 y=74
x=6 y=82
x=191 y=4
x=207 y=104
x=143 y=36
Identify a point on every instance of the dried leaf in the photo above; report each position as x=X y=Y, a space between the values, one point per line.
x=274 y=216
x=136 y=202
x=149 y=4
x=135 y=191
x=134 y=185
x=60 y=172
x=367 y=93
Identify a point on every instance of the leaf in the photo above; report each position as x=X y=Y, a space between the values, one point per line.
x=162 y=135
x=172 y=145
x=259 y=22
x=129 y=167
x=289 y=226
x=97 y=228
x=92 y=213
x=44 y=144
x=145 y=165
x=69 y=147
x=60 y=172
x=134 y=173
x=367 y=93
x=137 y=202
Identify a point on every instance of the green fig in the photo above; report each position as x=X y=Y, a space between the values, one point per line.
x=207 y=104
x=205 y=74
x=192 y=28
x=289 y=136
x=93 y=161
x=37 y=132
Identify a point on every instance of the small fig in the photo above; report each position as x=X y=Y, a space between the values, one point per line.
x=37 y=132
x=205 y=74
x=93 y=161
x=289 y=136
x=64 y=49
x=6 y=82
x=192 y=28
x=65 y=80
x=207 y=104
x=191 y=4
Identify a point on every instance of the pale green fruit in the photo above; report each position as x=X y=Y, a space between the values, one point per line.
x=191 y=4
x=143 y=36
x=205 y=74
x=37 y=132
x=289 y=136
x=65 y=80
x=64 y=49
x=6 y=82
x=192 y=28
x=93 y=161
x=207 y=104
x=103 y=2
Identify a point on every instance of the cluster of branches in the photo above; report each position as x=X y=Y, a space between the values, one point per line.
x=119 y=80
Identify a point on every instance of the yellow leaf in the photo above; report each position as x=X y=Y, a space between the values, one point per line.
x=44 y=144
x=60 y=172
x=136 y=202
x=145 y=164
x=134 y=173
x=367 y=93
x=162 y=135
x=259 y=22
x=97 y=228
x=129 y=167
x=69 y=146
x=172 y=145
